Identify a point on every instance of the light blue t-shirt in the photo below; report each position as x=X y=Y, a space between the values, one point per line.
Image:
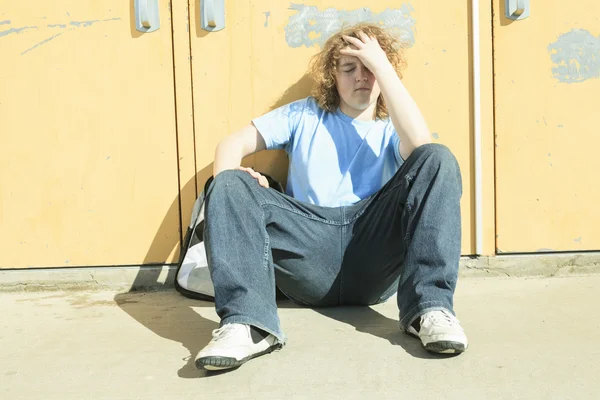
x=334 y=160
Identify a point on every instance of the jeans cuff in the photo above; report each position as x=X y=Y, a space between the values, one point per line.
x=240 y=319
x=407 y=319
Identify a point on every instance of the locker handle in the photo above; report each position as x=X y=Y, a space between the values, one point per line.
x=212 y=13
x=517 y=9
x=146 y=15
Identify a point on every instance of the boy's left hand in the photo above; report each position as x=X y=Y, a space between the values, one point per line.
x=367 y=50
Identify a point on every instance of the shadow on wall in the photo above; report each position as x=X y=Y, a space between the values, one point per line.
x=272 y=162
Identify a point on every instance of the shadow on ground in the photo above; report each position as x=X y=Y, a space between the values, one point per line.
x=172 y=316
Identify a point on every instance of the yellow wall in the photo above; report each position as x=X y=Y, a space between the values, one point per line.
x=547 y=100
x=107 y=134
x=88 y=156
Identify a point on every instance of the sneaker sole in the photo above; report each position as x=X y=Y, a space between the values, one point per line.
x=445 y=347
x=217 y=363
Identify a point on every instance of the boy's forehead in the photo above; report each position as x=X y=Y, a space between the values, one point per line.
x=344 y=59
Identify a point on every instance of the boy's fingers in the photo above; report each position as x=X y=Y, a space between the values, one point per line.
x=252 y=173
x=263 y=182
x=352 y=40
x=363 y=36
x=261 y=179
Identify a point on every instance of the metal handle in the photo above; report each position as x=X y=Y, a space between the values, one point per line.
x=212 y=13
x=517 y=9
x=146 y=15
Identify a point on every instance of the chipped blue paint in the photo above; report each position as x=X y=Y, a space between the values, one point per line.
x=576 y=56
x=57 y=26
x=85 y=24
x=577 y=240
x=75 y=23
x=309 y=26
x=267 y=14
x=6 y=22
x=41 y=43
x=16 y=30
x=435 y=135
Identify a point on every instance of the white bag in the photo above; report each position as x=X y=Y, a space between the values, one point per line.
x=192 y=278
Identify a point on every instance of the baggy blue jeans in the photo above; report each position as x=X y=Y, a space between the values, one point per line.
x=405 y=238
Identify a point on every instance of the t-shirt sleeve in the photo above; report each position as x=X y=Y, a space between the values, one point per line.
x=395 y=143
x=278 y=127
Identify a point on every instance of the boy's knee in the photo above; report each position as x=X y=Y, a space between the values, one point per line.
x=230 y=177
x=436 y=150
x=438 y=154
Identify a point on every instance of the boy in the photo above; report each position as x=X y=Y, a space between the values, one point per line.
x=371 y=208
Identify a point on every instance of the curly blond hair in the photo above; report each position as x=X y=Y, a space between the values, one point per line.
x=323 y=65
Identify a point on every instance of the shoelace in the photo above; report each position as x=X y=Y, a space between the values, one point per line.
x=221 y=332
x=442 y=318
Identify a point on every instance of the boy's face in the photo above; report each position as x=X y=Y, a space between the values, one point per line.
x=356 y=86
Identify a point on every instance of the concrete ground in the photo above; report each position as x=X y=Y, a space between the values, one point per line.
x=529 y=339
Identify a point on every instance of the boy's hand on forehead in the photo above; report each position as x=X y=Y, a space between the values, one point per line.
x=366 y=49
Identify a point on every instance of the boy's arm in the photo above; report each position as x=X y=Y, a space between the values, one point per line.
x=408 y=121
x=233 y=148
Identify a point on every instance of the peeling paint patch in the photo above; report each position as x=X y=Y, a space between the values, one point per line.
x=16 y=30
x=5 y=22
x=435 y=135
x=57 y=26
x=559 y=126
x=77 y=24
x=42 y=42
x=577 y=240
x=85 y=24
x=267 y=15
x=576 y=55
x=309 y=26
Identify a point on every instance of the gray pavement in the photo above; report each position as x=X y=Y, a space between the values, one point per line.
x=535 y=338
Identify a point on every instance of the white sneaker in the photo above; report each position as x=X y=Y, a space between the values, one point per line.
x=440 y=332
x=234 y=344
